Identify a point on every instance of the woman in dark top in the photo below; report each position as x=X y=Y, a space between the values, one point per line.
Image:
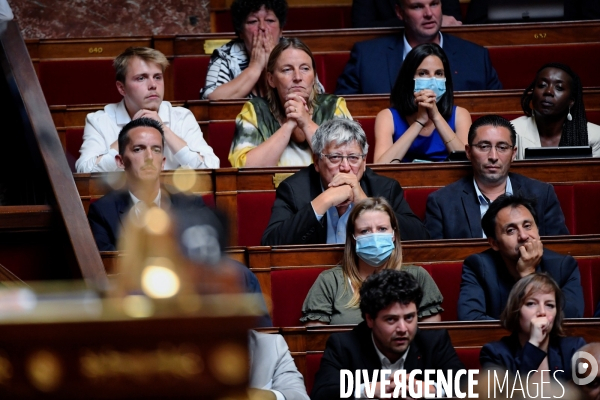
x=534 y=313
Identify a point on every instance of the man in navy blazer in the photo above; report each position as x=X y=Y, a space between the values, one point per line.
x=455 y=211
x=141 y=145
x=387 y=339
x=375 y=64
x=382 y=13
x=510 y=225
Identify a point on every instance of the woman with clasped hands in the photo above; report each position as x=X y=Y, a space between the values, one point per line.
x=372 y=244
x=277 y=130
x=534 y=315
x=422 y=123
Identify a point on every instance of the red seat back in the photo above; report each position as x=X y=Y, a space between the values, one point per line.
x=313 y=362
x=209 y=199
x=469 y=357
x=565 y=194
x=219 y=136
x=587 y=212
x=530 y=58
x=417 y=199
x=189 y=76
x=62 y=81
x=589 y=268
x=368 y=125
x=289 y=288
x=254 y=212
x=73 y=141
x=447 y=276
x=329 y=67
x=593 y=116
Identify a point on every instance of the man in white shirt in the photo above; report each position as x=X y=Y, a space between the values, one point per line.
x=140 y=80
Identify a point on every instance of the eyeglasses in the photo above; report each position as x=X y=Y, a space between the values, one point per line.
x=487 y=147
x=335 y=159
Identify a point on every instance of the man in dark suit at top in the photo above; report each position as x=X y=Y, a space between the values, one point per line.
x=374 y=64
x=455 y=211
x=387 y=339
x=517 y=251
x=313 y=205
x=382 y=13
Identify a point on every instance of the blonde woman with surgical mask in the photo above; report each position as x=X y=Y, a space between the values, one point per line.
x=372 y=244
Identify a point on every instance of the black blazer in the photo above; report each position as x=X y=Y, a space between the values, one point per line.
x=430 y=349
x=453 y=211
x=382 y=13
x=507 y=354
x=107 y=215
x=293 y=219
x=375 y=64
x=486 y=283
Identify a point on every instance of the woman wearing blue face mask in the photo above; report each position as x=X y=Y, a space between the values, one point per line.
x=422 y=123
x=372 y=244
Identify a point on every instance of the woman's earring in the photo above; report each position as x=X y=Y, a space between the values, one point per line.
x=569 y=116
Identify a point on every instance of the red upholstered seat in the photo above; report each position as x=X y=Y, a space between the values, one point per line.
x=220 y=135
x=565 y=194
x=313 y=362
x=368 y=125
x=63 y=82
x=517 y=65
x=447 y=276
x=189 y=76
x=329 y=67
x=289 y=288
x=417 y=199
x=209 y=199
x=73 y=141
x=593 y=116
x=589 y=268
x=469 y=357
x=254 y=211
x=587 y=212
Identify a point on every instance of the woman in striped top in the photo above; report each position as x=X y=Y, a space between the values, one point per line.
x=237 y=69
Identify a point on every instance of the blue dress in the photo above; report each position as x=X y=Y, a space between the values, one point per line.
x=430 y=148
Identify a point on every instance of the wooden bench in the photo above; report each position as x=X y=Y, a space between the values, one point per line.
x=286 y=274
x=62 y=64
x=307 y=344
x=44 y=232
x=247 y=194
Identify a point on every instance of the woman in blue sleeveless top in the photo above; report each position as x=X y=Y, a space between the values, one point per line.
x=422 y=123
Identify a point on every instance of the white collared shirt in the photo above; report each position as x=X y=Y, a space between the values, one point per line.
x=407 y=47
x=139 y=205
x=484 y=203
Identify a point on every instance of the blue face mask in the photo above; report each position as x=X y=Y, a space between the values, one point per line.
x=375 y=248
x=438 y=85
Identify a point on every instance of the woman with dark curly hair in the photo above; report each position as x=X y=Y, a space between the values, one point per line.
x=555 y=113
x=237 y=69
x=534 y=315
